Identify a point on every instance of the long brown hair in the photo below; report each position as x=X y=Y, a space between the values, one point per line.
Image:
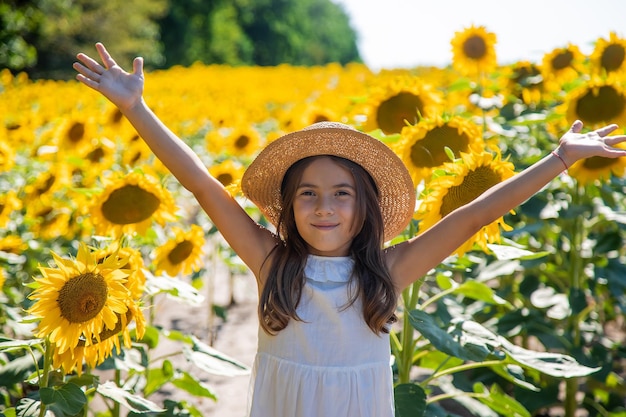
x=285 y=280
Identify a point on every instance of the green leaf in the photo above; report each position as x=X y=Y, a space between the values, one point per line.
x=553 y=364
x=151 y=337
x=505 y=252
x=175 y=288
x=12 y=345
x=514 y=374
x=410 y=400
x=27 y=407
x=443 y=341
x=67 y=397
x=500 y=402
x=9 y=412
x=132 y=402
x=155 y=379
x=213 y=361
x=479 y=291
x=196 y=388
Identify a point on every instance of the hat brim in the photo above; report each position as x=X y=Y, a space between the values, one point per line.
x=262 y=180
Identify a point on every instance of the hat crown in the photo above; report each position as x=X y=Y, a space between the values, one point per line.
x=329 y=125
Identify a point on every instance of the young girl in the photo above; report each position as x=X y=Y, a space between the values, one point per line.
x=327 y=286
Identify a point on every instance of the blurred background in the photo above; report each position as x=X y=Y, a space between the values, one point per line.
x=41 y=37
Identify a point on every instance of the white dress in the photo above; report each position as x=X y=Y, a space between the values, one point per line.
x=329 y=364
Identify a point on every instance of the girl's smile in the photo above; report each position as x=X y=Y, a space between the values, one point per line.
x=324 y=208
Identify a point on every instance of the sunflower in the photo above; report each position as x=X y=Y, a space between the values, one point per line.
x=240 y=141
x=473 y=51
x=13 y=244
x=130 y=204
x=562 y=65
x=463 y=181
x=422 y=146
x=75 y=132
x=609 y=56
x=597 y=103
x=50 y=218
x=2 y=279
x=597 y=168
x=228 y=173
x=9 y=203
x=79 y=299
x=94 y=353
x=399 y=101
x=48 y=182
x=525 y=82
x=182 y=253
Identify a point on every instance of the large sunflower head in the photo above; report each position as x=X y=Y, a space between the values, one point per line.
x=463 y=181
x=599 y=102
x=609 y=55
x=130 y=204
x=473 y=51
x=183 y=253
x=422 y=147
x=78 y=299
x=399 y=101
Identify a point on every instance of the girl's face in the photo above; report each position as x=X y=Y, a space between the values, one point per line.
x=324 y=208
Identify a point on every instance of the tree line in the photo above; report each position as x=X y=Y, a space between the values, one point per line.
x=42 y=37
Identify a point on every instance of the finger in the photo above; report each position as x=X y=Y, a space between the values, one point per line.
x=87 y=81
x=107 y=60
x=577 y=126
x=86 y=72
x=138 y=66
x=603 y=131
x=614 y=140
x=90 y=63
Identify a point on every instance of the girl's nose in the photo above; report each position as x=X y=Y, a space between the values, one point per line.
x=324 y=206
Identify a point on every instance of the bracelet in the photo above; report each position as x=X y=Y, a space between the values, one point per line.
x=561 y=159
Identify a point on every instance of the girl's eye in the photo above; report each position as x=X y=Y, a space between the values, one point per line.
x=342 y=193
x=307 y=193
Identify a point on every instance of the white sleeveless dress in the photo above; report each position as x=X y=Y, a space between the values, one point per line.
x=329 y=364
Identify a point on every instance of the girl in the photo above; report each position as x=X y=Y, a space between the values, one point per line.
x=327 y=287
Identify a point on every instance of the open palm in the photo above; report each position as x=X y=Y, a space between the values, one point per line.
x=122 y=88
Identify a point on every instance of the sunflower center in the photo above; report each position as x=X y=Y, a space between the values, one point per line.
x=612 y=57
x=394 y=112
x=597 y=163
x=2 y=207
x=430 y=151
x=562 y=60
x=180 y=252
x=242 y=141
x=82 y=297
x=96 y=155
x=76 y=132
x=474 y=184
x=475 y=47
x=46 y=185
x=604 y=106
x=130 y=204
x=225 y=178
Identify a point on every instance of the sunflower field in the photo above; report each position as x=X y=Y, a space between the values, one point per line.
x=525 y=319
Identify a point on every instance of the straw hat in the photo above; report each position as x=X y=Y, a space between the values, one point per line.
x=262 y=180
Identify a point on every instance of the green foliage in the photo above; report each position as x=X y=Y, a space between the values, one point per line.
x=42 y=37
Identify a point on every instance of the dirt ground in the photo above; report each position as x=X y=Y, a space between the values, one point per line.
x=235 y=337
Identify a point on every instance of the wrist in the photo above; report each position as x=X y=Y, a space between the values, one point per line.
x=560 y=155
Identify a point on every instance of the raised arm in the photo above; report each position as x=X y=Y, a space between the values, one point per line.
x=251 y=242
x=411 y=260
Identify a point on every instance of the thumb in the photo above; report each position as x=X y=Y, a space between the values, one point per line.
x=138 y=66
x=577 y=126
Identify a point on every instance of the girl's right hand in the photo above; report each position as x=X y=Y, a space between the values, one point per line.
x=123 y=89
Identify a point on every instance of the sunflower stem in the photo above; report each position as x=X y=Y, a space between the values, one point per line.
x=43 y=380
x=118 y=382
x=576 y=268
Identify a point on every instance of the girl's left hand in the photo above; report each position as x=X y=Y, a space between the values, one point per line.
x=574 y=145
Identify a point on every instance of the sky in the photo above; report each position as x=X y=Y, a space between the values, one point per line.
x=409 y=33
